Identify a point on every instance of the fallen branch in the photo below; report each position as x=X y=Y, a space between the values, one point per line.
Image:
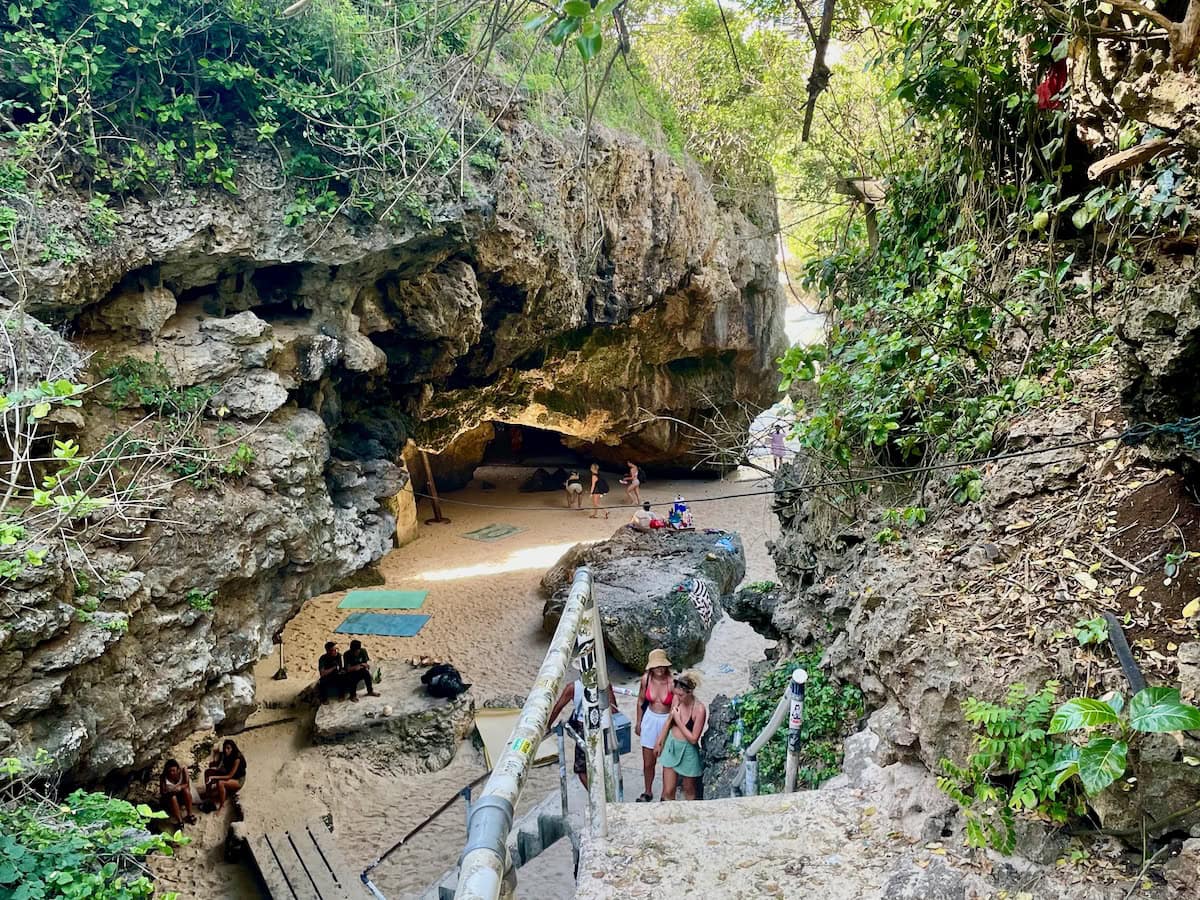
x=1134 y=156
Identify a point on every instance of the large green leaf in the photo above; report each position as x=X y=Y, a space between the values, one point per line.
x=1066 y=764
x=1082 y=712
x=577 y=8
x=589 y=47
x=1159 y=709
x=1101 y=763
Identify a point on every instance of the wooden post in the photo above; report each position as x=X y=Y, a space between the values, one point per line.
x=433 y=494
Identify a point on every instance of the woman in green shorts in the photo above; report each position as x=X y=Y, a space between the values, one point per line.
x=678 y=746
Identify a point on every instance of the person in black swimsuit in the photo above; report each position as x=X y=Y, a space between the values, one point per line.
x=599 y=489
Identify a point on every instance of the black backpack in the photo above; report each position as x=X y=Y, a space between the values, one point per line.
x=443 y=680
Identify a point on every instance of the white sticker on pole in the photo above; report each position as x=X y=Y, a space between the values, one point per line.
x=796 y=717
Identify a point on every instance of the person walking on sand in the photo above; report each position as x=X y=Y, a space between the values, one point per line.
x=655 y=697
x=778 y=447
x=632 y=482
x=598 y=490
x=175 y=792
x=574 y=488
x=678 y=745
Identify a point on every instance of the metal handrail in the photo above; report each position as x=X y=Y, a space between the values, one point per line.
x=791 y=705
x=485 y=870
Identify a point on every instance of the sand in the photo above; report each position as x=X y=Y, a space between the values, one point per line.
x=486 y=618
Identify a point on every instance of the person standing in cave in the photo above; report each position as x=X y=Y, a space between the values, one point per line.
x=574 y=488
x=632 y=482
x=357 y=667
x=516 y=441
x=599 y=489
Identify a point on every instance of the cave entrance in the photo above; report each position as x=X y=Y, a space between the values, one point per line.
x=522 y=445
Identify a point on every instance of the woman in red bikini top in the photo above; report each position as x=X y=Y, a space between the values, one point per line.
x=653 y=712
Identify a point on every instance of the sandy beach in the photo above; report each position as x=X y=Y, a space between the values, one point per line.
x=485 y=616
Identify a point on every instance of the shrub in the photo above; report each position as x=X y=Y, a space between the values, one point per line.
x=830 y=711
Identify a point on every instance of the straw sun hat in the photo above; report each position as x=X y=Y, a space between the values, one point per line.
x=658 y=657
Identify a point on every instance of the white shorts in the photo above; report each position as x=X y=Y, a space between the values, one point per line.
x=652 y=726
x=574 y=488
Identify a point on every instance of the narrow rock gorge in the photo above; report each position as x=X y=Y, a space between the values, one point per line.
x=613 y=308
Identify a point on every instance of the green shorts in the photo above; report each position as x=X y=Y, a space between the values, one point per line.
x=681 y=756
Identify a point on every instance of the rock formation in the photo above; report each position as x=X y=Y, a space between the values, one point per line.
x=664 y=589
x=578 y=304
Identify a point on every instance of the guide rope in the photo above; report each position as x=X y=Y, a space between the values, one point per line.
x=1186 y=430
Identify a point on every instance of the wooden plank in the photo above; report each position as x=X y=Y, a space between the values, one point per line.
x=268 y=866
x=346 y=877
x=304 y=842
x=1134 y=156
x=301 y=885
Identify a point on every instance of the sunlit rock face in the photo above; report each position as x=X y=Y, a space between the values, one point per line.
x=615 y=308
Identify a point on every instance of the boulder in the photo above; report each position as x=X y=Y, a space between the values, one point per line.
x=404 y=723
x=251 y=394
x=663 y=589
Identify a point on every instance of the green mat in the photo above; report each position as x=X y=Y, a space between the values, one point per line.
x=383 y=600
x=493 y=532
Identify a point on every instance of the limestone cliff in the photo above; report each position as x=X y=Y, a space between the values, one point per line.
x=307 y=356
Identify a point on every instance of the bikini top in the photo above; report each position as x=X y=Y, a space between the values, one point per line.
x=666 y=701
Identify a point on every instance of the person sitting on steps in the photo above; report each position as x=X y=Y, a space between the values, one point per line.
x=357 y=667
x=175 y=791
x=330 y=667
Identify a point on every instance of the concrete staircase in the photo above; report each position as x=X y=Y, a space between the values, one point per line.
x=535 y=831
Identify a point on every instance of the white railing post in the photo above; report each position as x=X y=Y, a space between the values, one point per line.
x=782 y=709
x=485 y=868
x=593 y=673
x=795 y=721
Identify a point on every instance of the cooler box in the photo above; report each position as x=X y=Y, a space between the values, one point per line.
x=624 y=731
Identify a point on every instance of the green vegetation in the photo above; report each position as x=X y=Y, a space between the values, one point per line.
x=200 y=600
x=85 y=845
x=1023 y=765
x=831 y=711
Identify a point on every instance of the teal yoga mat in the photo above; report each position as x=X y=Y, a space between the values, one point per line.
x=493 y=532
x=383 y=600
x=386 y=624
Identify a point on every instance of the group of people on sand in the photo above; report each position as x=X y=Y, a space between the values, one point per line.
x=670 y=721
x=341 y=674
x=225 y=775
x=598 y=488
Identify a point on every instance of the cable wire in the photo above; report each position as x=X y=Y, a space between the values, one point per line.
x=1131 y=435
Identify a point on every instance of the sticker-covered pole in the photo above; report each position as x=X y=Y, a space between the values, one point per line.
x=795 y=722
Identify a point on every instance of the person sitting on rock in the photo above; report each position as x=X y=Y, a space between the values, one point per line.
x=642 y=518
x=573 y=693
x=226 y=777
x=175 y=792
x=678 y=744
x=331 y=668
x=574 y=488
x=357 y=667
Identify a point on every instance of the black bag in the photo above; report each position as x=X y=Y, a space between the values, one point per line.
x=443 y=680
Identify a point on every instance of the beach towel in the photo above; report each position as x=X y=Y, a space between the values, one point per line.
x=383 y=600
x=493 y=532
x=387 y=624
